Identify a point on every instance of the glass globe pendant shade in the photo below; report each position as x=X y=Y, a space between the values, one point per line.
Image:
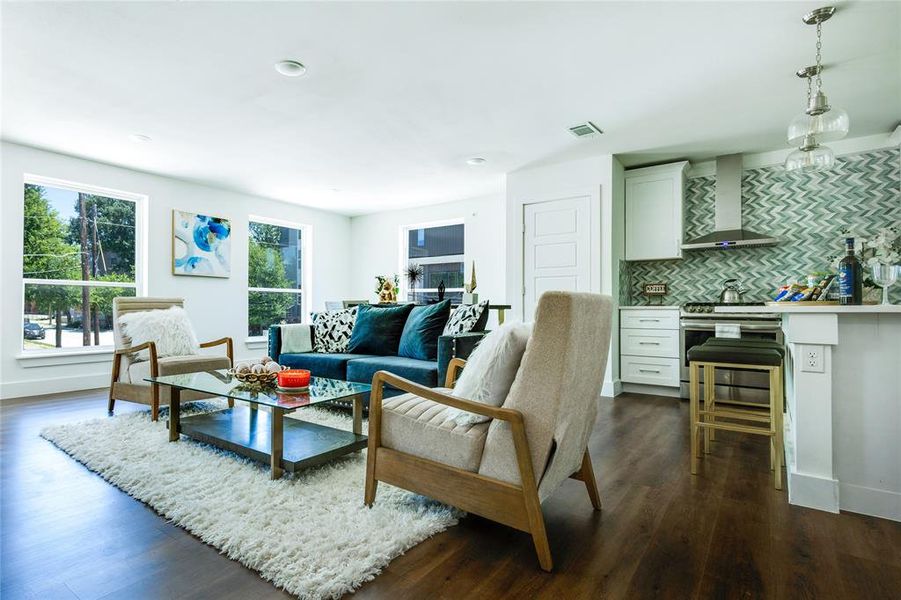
x=829 y=126
x=818 y=158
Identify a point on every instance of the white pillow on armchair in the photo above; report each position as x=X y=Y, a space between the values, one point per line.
x=169 y=329
x=490 y=370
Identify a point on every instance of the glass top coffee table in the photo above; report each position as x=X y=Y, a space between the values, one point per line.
x=265 y=435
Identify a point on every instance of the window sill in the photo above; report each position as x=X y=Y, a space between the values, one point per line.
x=63 y=357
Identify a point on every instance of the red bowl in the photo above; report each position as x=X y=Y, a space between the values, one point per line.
x=294 y=378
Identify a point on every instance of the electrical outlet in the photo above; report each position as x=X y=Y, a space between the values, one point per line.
x=812 y=359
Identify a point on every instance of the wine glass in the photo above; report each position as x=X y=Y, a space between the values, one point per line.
x=884 y=276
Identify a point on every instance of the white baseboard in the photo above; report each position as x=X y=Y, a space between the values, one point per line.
x=53 y=385
x=612 y=388
x=654 y=390
x=813 y=491
x=870 y=501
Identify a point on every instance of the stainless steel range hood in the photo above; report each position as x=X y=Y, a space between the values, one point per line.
x=728 y=231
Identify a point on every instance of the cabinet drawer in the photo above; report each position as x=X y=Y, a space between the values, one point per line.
x=650 y=342
x=649 y=319
x=653 y=371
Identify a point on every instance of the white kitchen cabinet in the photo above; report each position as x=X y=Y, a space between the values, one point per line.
x=654 y=211
x=649 y=346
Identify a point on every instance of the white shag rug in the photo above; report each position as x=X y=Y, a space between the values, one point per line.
x=308 y=533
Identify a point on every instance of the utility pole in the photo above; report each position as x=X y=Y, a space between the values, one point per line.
x=85 y=273
x=95 y=318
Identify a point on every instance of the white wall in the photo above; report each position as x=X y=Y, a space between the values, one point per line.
x=218 y=307
x=600 y=178
x=376 y=244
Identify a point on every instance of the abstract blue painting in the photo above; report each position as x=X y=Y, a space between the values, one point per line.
x=201 y=245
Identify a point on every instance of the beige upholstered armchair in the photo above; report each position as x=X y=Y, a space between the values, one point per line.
x=127 y=382
x=504 y=468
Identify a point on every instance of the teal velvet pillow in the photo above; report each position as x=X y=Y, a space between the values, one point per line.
x=378 y=330
x=420 y=336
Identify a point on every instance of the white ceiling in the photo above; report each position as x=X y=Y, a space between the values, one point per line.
x=398 y=95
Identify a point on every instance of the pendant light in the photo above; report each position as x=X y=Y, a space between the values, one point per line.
x=819 y=122
x=827 y=124
x=811 y=156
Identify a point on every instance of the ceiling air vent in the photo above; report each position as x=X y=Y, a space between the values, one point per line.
x=586 y=129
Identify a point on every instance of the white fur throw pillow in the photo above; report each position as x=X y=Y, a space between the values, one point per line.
x=169 y=329
x=490 y=370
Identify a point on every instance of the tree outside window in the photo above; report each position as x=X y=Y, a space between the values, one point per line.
x=275 y=276
x=78 y=254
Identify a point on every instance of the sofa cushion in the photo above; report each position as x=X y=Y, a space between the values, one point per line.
x=421 y=427
x=422 y=329
x=332 y=366
x=424 y=372
x=296 y=338
x=378 y=330
x=176 y=365
x=331 y=330
x=465 y=317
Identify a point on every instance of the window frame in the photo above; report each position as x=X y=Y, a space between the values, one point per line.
x=306 y=259
x=141 y=256
x=405 y=255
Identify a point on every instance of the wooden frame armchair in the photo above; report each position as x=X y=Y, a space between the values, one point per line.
x=128 y=383
x=532 y=443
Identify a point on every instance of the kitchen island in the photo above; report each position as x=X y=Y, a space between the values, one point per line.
x=843 y=406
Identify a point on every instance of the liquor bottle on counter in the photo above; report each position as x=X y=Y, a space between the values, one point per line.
x=850 y=277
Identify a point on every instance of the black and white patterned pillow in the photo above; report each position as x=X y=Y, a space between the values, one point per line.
x=331 y=330
x=464 y=318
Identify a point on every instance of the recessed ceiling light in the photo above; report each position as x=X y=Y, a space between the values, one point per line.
x=290 y=68
x=140 y=138
x=476 y=160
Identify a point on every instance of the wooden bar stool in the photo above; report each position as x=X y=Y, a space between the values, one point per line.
x=736 y=354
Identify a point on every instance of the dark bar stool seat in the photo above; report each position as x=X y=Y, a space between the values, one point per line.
x=760 y=355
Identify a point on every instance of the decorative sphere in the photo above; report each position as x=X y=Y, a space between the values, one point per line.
x=257 y=368
x=273 y=367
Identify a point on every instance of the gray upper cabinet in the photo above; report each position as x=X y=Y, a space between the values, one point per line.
x=654 y=211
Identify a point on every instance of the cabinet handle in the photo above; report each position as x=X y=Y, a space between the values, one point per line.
x=648 y=370
x=648 y=320
x=649 y=343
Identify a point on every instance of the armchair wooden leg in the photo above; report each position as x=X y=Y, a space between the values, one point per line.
x=112 y=384
x=539 y=534
x=375 y=436
x=372 y=483
x=587 y=476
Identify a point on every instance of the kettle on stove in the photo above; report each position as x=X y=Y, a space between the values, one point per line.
x=732 y=291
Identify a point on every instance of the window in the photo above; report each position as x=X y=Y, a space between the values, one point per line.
x=275 y=266
x=438 y=250
x=79 y=252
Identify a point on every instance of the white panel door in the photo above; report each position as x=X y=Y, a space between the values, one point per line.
x=556 y=254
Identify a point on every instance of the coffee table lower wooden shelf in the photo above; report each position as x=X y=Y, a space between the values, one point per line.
x=246 y=431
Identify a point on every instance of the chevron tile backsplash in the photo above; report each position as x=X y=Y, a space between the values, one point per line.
x=805 y=211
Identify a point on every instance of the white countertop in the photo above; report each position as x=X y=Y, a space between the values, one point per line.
x=652 y=307
x=792 y=307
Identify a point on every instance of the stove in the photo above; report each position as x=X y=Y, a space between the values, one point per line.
x=705 y=310
x=698 y=322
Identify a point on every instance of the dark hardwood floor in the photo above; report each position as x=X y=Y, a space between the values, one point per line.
x=725 y=533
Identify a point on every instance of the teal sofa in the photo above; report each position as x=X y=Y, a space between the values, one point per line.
x=360 y=367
